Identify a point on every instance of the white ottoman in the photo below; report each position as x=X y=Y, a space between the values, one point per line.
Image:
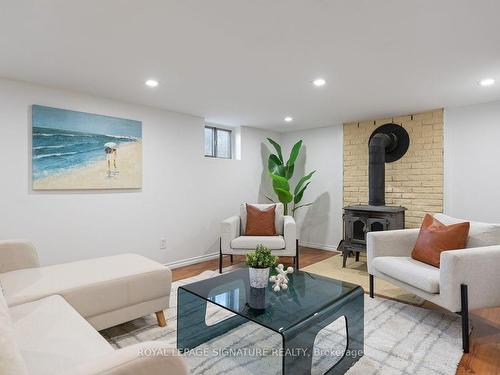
x=106 y=291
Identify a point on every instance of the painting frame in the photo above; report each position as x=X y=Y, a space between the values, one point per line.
x=73 y=150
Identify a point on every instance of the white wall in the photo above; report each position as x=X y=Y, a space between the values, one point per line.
x=320 y=225
x=472 y=162
x=184 y=195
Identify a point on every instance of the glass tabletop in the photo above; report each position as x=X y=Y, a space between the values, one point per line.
x=307 y=294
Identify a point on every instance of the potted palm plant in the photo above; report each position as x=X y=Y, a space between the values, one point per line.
x=281 y=173
x=259 y=262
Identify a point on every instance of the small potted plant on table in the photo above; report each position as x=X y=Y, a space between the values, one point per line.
x=259 y=262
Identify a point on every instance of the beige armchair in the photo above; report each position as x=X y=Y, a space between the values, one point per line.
x=234 y=242
x=467 y=278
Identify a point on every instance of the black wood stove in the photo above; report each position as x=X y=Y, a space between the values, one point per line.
x=388 y=143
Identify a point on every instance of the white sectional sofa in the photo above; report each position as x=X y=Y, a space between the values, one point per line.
x=49 y=316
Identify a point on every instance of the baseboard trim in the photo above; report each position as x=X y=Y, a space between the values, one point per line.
x=201 y=258
x=193 y=260
x=318 y=246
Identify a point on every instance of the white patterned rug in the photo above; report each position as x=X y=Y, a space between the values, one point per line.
x=399 y=339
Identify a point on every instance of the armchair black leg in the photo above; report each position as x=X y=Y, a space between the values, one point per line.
x=357 y=256
x=371 y=286
x=465 y=317
x=231 y=257
x=297 y=254
x=220 y=255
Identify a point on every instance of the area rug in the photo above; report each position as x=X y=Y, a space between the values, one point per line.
x=356 y=273
x=399 y=339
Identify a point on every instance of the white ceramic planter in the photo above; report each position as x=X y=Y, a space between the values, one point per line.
x=259 y=277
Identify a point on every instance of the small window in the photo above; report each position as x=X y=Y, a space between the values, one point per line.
x=217 y=142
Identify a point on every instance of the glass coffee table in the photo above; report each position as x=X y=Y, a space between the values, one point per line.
x=310 y=304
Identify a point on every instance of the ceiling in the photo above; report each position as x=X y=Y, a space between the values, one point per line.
x=251 y=62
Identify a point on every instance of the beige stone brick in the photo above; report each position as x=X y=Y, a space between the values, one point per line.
x=415 y=181
x=402 y=119
x=383 y=121
x=423 y=116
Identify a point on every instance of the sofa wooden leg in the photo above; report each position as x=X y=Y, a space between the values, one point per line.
x=160 y=316
x=371 y=286
x=465 y=317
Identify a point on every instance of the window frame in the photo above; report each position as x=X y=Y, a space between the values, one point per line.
x=214 y=130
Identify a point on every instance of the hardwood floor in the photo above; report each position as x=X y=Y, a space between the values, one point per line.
x=307 y=256
x=484 y=356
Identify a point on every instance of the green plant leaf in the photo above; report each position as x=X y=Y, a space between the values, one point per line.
x=302 y=205
x=275 y=166
x=261 y=258
x=294 y=153
x=272 y=200
x=284 y=196
x=280 y=182
x=298 y=197
x=277 y=148
x=301 y=182
x=289 y=171
x=275 y=160
x=282 y=189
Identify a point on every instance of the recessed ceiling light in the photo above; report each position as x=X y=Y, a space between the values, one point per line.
x=319 y=82
x=151 y=83
x=487 y=82
x=288 y=119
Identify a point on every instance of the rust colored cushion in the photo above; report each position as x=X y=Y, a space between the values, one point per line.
x=435 y=237
x=260 y=222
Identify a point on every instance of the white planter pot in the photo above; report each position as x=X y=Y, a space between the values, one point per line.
x=259 y=277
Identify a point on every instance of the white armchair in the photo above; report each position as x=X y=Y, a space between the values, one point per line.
x=234 y=242
x=467 y=278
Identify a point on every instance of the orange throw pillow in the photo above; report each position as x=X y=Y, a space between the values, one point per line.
x=260 y=222
x=435 y=237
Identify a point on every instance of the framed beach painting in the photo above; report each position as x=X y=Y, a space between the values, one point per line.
x=77 y=150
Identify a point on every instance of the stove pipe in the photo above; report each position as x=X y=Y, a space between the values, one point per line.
x=377 y=147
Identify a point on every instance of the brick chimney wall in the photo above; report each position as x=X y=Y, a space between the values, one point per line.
x=415 y=181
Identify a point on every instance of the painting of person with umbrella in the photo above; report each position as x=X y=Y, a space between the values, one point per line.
x=110 y=149
x=77 y=150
